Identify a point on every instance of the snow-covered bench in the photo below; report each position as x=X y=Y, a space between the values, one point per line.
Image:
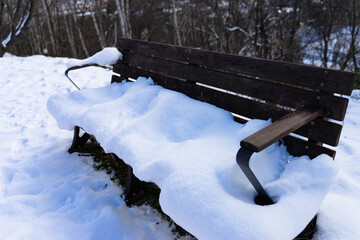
x=155 y=130
x=250 y=88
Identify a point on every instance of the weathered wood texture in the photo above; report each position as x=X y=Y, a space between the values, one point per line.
x=249 y=87
x=281 y=128
x=299 y=147
x=272 y=92
x=327 y=80
x=320 y=130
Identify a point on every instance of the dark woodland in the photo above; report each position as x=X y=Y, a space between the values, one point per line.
x=323 y=33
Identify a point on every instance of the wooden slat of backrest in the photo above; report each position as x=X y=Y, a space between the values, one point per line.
x=326 y=80
x=295 y=146
x=299 y=147
x=229 y=102
x=268 y=91
x=115 y=78
x=322 y=131
x=319 y=130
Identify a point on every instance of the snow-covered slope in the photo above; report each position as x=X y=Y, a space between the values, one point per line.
x=45 y=193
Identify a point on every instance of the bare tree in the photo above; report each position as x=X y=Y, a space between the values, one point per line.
x=17 y=15
x=35 y=39
x=296 y=30
x=353 y=17
x=175 y=23
x=127 y=17
x=123 y=14
x=76 y=25
x=69 y=32
x=49 y=25
x=99 y=33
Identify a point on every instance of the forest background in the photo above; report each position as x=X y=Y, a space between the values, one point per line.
x=322 y=33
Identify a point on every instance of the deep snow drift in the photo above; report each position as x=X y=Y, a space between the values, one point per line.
x=188 y=149
x=48 y=194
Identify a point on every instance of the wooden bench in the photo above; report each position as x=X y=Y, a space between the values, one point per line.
x=305 y=103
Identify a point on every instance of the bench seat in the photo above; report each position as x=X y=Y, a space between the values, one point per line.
x=290 y=110
x=250 y=88
x=188 y=148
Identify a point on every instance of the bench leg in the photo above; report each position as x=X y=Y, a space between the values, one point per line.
x=77 y=140
x=134 y=192
x=243 y=159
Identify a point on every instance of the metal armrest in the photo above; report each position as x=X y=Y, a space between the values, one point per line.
x=267 y=136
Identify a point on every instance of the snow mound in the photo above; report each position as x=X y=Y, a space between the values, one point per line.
x=107 y=56
x=188 y=149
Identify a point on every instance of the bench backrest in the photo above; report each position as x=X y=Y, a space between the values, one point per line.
x=248 y=87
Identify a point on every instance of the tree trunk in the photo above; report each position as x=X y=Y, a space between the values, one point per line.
x=121 y=18
x=115 y=34
x=69 y=34
x=48 y=23
x=2 y=48
x=19 y=20
x=127 y=17
x=78 y=29
x=36 y=38
x=354 y=30
x=96 y=26
x=294 y=28
x=175 y=23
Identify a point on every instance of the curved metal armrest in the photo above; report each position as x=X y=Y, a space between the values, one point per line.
x=269 y=135
x=77 y=67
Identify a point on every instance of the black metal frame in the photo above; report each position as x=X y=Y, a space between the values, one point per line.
x=134 y=193
x=243 y=160
x=77 y=67
x=77 y=140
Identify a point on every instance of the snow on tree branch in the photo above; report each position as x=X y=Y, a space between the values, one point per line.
x=18 y=20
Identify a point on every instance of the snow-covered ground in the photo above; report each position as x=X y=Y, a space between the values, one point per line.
x=46 y=193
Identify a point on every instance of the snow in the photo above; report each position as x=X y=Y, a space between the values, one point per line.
x=46 y=193
x=21 y=23
x=231 y=29
x=6 y=40
x=18 y=28
x=188 y=149
x=107 y=56
x=341 y=207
